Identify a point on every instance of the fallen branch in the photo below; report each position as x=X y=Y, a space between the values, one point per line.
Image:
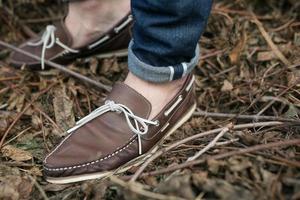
x=194 y=137
x=21 y=113
x=223 y=155
x=137 y=188
x=279 y=95
x=212 y=143
x=271 y=44
x=24 y=27
x=59 y=67
x=21 y=133
x=244 y=117
x=37 y=185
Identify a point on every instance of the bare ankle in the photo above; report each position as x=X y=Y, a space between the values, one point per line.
x=157 y=94
x=88 y=19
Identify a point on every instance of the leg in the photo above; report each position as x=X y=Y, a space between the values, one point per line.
x=164 y=46
x=159 y=99
x=88 y=19
x=91 y=27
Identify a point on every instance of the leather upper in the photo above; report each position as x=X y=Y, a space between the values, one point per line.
x=107 y=142
x=61 y=32
x=116 y=40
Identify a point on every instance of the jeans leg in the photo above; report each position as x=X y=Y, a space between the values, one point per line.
x=165 y=37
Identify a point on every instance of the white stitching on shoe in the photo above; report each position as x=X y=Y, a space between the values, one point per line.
x=180 y=98
x=119 y=150
x=124 y=24
x=190 y=84
x=103 y=39
x=93 y=162
x=116 y=30
x=164 y=127
x=65 y=139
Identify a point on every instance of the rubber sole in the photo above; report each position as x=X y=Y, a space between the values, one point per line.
x=118 y=53
x=135 y=162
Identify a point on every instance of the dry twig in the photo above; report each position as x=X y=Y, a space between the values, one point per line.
x=37 y=185
x=279 y=95
x=212 y=143
x=194 y=137
x=244 y=117
x=136 y=188
x=268 y=39
x=223 y=155
x=59 y=67
x=24 y=110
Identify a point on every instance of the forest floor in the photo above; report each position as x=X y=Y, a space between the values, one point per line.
x=249 y=75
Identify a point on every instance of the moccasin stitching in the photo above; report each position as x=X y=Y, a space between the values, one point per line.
x=93 y=162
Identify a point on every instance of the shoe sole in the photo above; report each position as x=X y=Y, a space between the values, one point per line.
x=113 y=54
x=118 y=53
x=135 y=162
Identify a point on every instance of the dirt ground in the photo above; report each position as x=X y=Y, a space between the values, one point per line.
x=248 y=76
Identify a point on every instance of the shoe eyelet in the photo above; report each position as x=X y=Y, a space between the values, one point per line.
x=157 y=123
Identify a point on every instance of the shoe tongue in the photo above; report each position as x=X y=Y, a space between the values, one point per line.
x=138 y=104
x=63 y=33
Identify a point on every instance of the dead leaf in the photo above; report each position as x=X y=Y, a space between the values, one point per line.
x=93 y=65
x=36 y=121
x=293 y=77
x=237 y=164
x=36 y=171
x=178 y=184
x=246 y=137
x=292 y=112
x=15 y=188
x=3 y=125
x=227 y=86
x=109 y=66
x=55 y=187
x=225 y=190
x=214 y=165
x=16 y=154
x=63 y=108
x=236 y=52
x=265 y=56
x=297 y=39
x=16 y=101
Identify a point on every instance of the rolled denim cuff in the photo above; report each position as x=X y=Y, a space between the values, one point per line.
x=160 y=74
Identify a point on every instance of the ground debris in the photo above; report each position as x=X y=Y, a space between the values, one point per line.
x=243 y=70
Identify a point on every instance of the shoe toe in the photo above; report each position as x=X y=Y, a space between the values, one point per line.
x=18 y=59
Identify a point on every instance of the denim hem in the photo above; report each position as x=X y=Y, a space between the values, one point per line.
x=159 y=74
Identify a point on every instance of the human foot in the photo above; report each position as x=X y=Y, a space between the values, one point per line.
x=158 y=95
x=119 y=134
x=89 y=19
x=58 y=42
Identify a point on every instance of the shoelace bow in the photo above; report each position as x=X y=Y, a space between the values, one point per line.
x=48 y=40
x=139 y=127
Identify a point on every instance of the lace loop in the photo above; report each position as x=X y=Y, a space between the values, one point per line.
x=48 y=40
x=137 y=125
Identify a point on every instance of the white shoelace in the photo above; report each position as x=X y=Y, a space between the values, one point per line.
x=48 y=40
x=114 y=107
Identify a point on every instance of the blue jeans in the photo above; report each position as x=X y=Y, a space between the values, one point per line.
x=165 y=37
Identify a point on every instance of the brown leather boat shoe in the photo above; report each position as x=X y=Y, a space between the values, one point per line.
x=117 y=135
x=55 y=45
